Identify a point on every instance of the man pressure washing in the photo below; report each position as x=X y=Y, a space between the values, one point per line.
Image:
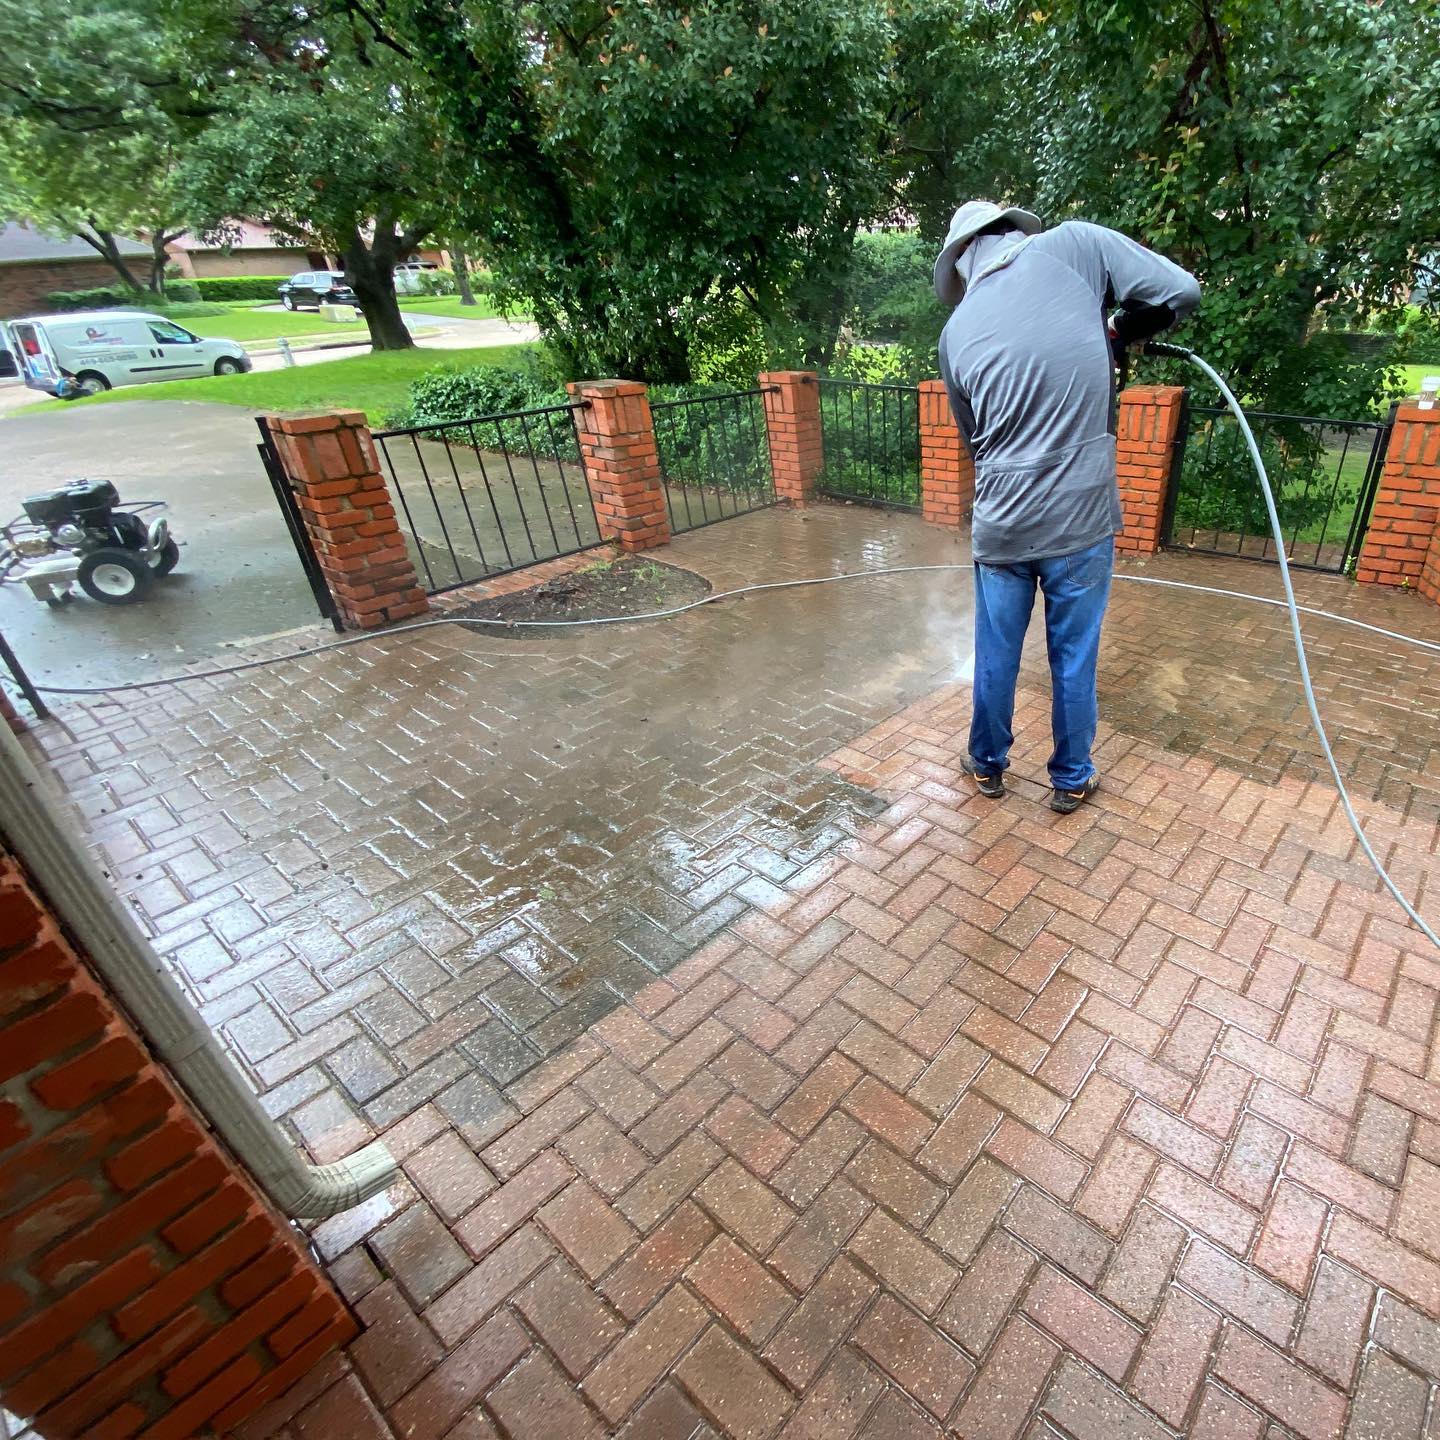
x=1029 y=363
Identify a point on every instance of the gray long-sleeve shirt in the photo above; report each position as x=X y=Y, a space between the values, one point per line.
x=1027 y=362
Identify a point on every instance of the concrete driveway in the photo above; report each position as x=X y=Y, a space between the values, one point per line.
x=238 y=577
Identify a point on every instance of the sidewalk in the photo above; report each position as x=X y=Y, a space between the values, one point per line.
x=753 y=1078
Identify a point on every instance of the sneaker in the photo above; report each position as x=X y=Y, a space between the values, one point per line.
x=990 y=786
x=1064 y=802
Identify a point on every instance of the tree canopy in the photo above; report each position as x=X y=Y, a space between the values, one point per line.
x=672 y=187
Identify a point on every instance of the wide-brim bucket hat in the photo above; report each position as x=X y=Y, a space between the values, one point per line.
x=968 y=221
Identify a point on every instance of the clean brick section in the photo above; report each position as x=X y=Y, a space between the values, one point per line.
x=1064 y=1129
x=335 y=474
x=1402 y=545
x=947 y=475
x=146 y=1288
x=622 y=466
x=792 y=424
x=1148 y=424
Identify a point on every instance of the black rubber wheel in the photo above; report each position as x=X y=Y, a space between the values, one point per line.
x=92 y=382
x=226 y=366
x=113 y=576
x=166 y=560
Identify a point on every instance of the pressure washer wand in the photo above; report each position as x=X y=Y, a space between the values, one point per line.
x=1179 y=352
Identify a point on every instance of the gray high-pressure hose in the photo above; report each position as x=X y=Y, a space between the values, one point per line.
x=1317 y=724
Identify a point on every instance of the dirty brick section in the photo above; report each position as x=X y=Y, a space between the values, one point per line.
x=952 y=1118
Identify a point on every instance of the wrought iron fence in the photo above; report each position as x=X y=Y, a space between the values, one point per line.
x=872 y=442
x=714 y=457
x=1324 y=474
x=483 y=496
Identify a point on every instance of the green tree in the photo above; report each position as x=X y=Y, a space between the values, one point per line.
x=645 y=177
x=96 y=97
x=967 y=123
x=336 y=155
x=1283 y=149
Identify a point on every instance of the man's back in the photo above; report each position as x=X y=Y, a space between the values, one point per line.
x=1027 y=361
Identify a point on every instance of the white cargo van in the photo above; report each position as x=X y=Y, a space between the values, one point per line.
x=99 y=349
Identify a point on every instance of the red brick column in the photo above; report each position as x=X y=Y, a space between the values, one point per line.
x=622 y=468
x=792 y=423
x=335 y=472
x=145 y=1283
x=1144 y=453
x=947 y=474
x=1400 y=545
x=11 y=716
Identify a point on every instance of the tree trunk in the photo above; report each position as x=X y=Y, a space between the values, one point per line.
x=462 y=275
x=108 y=248
x=158 y=261
x=371 y=273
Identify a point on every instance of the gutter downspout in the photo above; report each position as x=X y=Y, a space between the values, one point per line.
x=36 y=829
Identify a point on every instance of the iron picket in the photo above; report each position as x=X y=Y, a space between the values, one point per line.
x=1323 y=471
x=871 y=436
x=490 y=507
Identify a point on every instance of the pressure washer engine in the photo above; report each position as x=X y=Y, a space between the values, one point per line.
x=82 y=534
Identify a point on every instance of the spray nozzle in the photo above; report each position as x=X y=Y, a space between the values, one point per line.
x=1159 y=347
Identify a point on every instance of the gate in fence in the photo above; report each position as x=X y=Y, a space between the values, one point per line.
x=1324 y=474
x=484 y=496
x=714 y=457
x=872 y=443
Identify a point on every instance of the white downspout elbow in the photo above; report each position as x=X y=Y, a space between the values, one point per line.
x=36 y=828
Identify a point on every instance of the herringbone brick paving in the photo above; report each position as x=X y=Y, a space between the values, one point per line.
x=969 y=1119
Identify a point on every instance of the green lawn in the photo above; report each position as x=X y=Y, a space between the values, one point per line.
x=450 y=306
x=246 y=324
x=1414 y=374
x=377 y=384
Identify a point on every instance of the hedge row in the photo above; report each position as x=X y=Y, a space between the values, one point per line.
x=107 y=297
x=240 y=287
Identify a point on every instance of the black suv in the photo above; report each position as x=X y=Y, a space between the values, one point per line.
x=313 y=288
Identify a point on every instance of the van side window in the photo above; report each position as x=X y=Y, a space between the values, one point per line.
x=167 y=333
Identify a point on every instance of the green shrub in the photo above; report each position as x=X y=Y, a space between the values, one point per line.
x=721 y=445
x=99 y=297
x=182 y=292
x=240 y=287
x=185 y=310
x=433 y=282
x=449 y=394
x=1418 y=336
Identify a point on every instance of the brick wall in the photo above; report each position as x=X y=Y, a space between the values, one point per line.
x=276 y=261
x=622 y=466
x=792 y=426
x=1400 y=543
x=947 y=474
x=146 y=1287
x=335 y=473
x=1148 y=424
x=23 y=288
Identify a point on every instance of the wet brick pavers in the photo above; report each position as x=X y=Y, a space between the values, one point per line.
x=968 y=1119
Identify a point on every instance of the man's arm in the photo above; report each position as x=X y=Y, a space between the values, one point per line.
x=960 y=406
x=1151 y=291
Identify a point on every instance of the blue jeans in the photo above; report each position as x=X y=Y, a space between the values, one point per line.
x=1076 y=589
